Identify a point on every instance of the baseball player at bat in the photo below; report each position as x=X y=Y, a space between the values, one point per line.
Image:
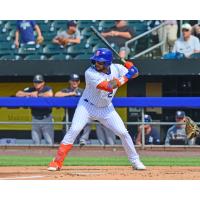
x=103 y=78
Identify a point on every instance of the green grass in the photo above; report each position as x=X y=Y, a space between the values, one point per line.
x=98 y=161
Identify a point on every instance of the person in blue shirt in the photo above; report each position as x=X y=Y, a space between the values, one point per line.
x=152 y=135
x=25 y=32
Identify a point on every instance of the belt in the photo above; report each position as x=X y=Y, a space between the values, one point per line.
x=41 y=117
x=86 y=100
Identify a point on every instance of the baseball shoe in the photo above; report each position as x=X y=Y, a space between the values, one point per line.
x=82 y=142
x=138 y=165
x=54 y=166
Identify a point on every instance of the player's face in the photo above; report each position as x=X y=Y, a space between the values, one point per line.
x=100 y=66
x=74 y=83
x=39 y=85
x=180 y=120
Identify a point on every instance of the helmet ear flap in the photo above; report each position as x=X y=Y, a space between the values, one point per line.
x=93 y=62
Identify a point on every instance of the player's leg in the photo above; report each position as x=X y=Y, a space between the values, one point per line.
x=110 y=136
x=100 y=134
x=85 y=136
x=80 y=119
x=115 y=123
x=36 y=133
x=48 y=130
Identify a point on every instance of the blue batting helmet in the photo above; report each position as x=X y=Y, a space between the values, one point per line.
x=103 y=55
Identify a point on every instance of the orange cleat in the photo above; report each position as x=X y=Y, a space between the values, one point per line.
x=54 y=166
x=57 y=163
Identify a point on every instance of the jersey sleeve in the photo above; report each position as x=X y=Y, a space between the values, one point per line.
x=122 y=70
x=65 y=90
x=93 y=78
x=46 y=89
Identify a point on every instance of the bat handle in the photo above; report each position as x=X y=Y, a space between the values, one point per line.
x=123 y=60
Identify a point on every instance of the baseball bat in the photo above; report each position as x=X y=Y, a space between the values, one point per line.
x=107 y=44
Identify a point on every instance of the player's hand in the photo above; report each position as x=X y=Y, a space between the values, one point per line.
x=73 y=93
x=128 y=64
x=132 y=73
x=34 y=94
x=17 y=44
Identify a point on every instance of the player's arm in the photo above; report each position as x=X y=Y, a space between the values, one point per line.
x=118 y=82
x=21 y=93
x=65 y=94
x=48 y=93
x=139 y=136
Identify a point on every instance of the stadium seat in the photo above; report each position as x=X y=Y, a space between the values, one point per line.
x=59 y=24
x=105 y=24
x=52 y=49
x=45 y=27
x=10 y=24
x=87 y=23
x=48 y=37
x=11 y=57
x=6 y=45
x=99 y=45
x=92 y=40
x=140 y=28
x=28 y=50
x=60 y=57
x=195 y=56
x=35 y=57
x=77 y=49
x=86 y=33
x=3 y=37
x=83 y=56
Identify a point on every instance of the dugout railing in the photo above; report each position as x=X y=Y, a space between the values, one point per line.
x=138 y=102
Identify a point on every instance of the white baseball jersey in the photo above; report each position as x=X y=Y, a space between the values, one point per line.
x=95 y=104
x=101 y=98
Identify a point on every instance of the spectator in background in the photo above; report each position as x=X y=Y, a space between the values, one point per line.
x=187 y=44
x=152 y=135
x=104 y=135
x=168 y=32
x=176 y=134
x=70 y=36
x=196 y=30
x=40 y=114
x=118 y=35
x=25 y=33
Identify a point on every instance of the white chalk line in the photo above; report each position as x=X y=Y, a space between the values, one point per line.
x=22 y=177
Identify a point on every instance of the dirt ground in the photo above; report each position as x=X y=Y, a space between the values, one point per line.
x=99 y=172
